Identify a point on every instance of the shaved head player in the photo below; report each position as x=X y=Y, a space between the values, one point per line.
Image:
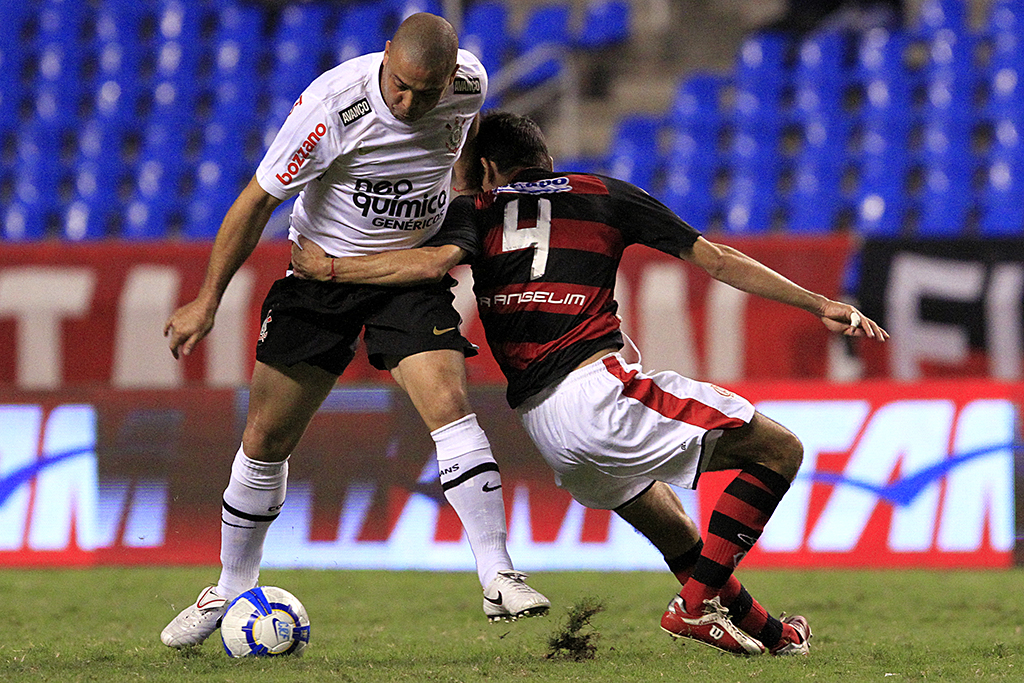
x=370 y=148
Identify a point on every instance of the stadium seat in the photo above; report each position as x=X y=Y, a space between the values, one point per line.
x=880 y=200
x=689 y=192
x=1002 y=199
x=22 y=223
x=405 y=8
x=216 y=187
x=938 y=15
x=605 y=24
x=634 y=154
x=485 y=33
x=545 y=36
x=944 y=205
x=363 y=28
x=697 y=102
x=820 y=77
x=749 y=206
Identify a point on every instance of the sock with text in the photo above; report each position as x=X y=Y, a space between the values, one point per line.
x=252 y=500
x=472 y=485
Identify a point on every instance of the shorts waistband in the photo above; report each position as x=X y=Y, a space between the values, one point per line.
x=575 y=377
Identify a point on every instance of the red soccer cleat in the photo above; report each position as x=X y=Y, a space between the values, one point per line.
x=711 y=627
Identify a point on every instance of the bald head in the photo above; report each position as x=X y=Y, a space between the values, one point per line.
x=428 y=41
x=419 y=64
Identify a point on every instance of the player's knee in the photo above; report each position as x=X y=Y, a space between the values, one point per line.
x=448 y=405
x=266 y=446
x=788 y=452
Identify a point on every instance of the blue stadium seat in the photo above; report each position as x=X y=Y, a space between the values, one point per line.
x=22 y=222
x=689 y=192
x=881 y=53
x=1002 y=199
x=240 y=22
x=634 y=154
x=818 y=166
x=485 y=33
x=750 y=204
x=217 y=186
x=605 y=24
x=820 y=75
x=937 y=15
x=697 y=102
x=760 y=73
x=361 y=30
x=944 y=205
x=1005 y=17
x=404 y=8
x=296 y=64
x=60 y=21
x=880 y=200
x=545 y=32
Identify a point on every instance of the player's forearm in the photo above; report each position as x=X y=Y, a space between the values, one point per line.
x=395 y=268
x=236 y=239
x=735 y=268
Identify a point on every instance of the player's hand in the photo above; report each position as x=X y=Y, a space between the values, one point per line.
x=845 y=319
x=188 y=325
x=309 y=261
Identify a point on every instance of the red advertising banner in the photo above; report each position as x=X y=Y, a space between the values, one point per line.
x=76 y=314
x=894 y=475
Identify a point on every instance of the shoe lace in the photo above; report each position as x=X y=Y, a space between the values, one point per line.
x=714 y=606
x=518 y=577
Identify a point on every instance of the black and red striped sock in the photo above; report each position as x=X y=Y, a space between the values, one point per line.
x=736 y=523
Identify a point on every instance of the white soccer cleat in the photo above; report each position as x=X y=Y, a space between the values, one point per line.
x=196 y=622
x=787 y=647
x=508 y=598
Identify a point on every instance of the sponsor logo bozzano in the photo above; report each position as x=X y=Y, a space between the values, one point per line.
x=393 y=209
x=298 y=159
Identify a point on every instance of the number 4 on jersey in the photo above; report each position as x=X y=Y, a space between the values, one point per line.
x=515 y=237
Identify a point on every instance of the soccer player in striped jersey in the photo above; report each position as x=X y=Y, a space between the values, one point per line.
x=545 y=249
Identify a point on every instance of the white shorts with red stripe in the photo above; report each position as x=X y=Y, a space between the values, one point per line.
x=609 y=431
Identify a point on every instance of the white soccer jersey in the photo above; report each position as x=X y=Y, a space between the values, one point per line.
x=369 y=182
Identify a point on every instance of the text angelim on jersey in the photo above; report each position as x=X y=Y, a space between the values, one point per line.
x=393 y=210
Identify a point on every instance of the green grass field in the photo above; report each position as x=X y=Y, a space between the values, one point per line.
x=104 y=624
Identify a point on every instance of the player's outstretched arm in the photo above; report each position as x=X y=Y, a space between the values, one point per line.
x=395 y=268
x=238 y=236
x=735 y=268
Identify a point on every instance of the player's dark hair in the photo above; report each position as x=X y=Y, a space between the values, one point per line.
x=510 y=141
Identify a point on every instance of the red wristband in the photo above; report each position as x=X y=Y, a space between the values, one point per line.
x=332 y=270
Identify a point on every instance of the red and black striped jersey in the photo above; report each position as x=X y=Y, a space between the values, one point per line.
x=545 y=251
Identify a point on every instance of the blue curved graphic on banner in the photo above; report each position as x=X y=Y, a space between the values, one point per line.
x=10 y=483
x=903 y=491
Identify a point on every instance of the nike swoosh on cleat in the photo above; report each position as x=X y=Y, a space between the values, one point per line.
x=492 y=600
x=488 y=488
x=444 y=331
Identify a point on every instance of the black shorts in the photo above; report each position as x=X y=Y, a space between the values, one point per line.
x=319 y=322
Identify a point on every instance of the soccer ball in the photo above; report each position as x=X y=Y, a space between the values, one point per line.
x=265 y=622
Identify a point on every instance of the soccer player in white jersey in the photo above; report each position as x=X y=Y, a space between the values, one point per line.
x=545 y=248
x=370 y=146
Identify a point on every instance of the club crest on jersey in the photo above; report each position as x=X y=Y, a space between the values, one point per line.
x=546 y=186
x=454 y=135
x=263 y=328
x=467 y=85
x=355 y=112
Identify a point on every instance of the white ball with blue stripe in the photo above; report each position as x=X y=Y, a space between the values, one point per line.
x=265 y=622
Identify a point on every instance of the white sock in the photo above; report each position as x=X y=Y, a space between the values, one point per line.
x=471 y=483
x=252 y=500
